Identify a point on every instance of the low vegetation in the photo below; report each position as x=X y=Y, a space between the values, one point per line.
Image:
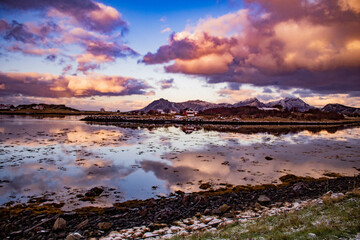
x=332 y=220
x=254 y=112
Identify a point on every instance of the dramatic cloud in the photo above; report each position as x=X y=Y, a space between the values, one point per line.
x=90 y=14
x=48 y=85
x=285 y=43
x=167 y=83
x=92 y=29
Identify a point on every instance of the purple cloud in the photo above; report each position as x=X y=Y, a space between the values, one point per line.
x=167 y=83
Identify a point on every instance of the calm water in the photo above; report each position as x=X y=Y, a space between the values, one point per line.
x=63 y=157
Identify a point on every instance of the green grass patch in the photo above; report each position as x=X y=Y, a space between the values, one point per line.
x=326 y=221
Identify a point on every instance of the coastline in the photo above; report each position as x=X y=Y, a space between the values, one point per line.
x=260 y=122
x=35 y=220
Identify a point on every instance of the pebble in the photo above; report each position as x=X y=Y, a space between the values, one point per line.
x=208 y=223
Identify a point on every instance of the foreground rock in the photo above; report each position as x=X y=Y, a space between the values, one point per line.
x=179 y=214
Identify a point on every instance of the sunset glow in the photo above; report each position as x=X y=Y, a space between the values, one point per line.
x=123 y=55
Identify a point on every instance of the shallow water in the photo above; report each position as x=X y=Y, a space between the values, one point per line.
x=63 y=157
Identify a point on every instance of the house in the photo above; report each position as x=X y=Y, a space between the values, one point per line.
x=5 y=106
x=269 y=109
x=160 y=111
x=38 y=107
x=190 y=113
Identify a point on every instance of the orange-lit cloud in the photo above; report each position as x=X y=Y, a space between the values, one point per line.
x=306 y=44
x=48 y=85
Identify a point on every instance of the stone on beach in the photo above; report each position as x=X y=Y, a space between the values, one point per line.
x=59 y=224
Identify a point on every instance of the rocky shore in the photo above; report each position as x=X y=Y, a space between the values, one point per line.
x=180 y=213
x=200 y=121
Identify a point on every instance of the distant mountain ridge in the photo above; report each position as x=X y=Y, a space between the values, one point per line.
x=40 y=106
x=198 y=105
x=292 y=103
x=285 y=104
x=339 y=108
x=252 y=102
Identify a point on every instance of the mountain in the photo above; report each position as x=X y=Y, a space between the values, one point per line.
x=252 y=102
x=162 y=104
x=292 y=103
x=338 y=108
x=199 y=105
x=196 y=105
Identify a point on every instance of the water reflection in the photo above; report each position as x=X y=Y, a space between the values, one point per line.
x=64 y=157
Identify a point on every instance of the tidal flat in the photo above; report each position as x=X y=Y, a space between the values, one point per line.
x=61 y=159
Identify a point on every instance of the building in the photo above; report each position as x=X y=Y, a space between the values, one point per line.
x=190 y=113
x=38 y=107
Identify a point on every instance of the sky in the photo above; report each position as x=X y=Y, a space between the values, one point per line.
x=122 y=55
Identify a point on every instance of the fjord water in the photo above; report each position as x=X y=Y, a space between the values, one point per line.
x=62 y=158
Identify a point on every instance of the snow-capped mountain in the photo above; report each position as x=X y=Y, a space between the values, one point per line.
x=291 y=103
x=198 y=105
x=253 y=102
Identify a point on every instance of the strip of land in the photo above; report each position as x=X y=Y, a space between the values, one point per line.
x=200 y=121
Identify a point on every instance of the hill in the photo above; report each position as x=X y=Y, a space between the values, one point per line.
x=342 y=109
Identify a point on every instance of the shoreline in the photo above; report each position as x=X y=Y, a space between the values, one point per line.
x=33 y=220
x=119 y=119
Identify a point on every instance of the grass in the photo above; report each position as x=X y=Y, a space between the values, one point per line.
x=331 y=220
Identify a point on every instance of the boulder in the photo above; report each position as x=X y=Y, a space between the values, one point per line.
x=59 y=224
x=94 y=192
x=263 y=199
x=104 y=225
x=74 y=236
x=223 y=208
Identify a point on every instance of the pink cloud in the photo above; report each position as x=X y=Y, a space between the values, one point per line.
x=49 y=85
x=94 y=28
x=30 y=49
x=306 y=44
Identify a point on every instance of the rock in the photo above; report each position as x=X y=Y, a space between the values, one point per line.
x=337 y=196
x=205 y=186
x=298 y=186
x=74 y=236
x=83 y=224
x=214 y=222
x=263 y=199
x=312 y=235
x=268 y=158
x=59 y=224
x=228 y=215
x=149 y=235
x=13 y=234
x=223 y=208
x=175 y=229
x=186 y=199
x=138 y=234
x=94 y=192
x=104 y=225
x=155 y=226
x=207 y=220
x=207 y=212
